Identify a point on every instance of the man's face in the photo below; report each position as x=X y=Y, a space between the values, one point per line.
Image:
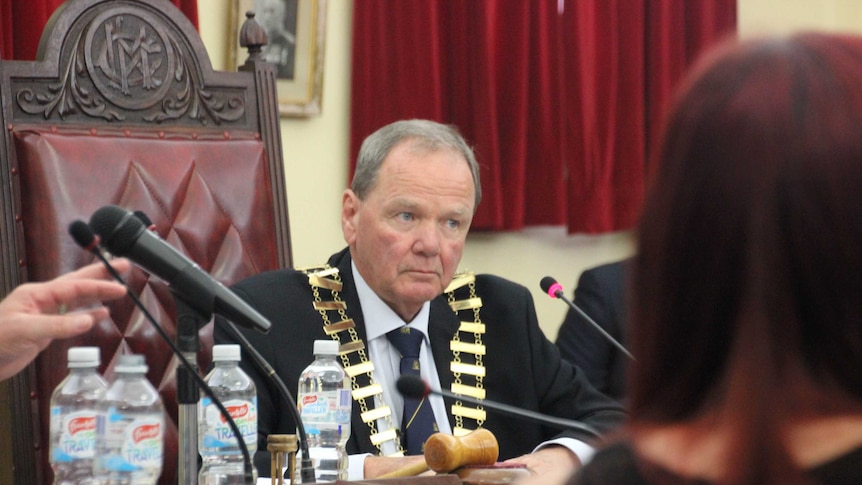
x=270 y=14
x=407 y=236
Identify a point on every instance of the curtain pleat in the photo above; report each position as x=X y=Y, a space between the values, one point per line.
x=559 y=98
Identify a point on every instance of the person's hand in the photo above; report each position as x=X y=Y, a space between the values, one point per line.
x=548 y=466
x=33 y=314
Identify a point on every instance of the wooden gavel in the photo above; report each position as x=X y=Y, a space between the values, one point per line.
x=444 y=453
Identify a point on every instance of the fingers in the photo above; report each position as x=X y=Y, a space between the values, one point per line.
x=33 y=332
x=98 y=271
x=84 y=287
x=65 y=326
x=69 y=295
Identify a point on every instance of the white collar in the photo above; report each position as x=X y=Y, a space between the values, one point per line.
x=379 y=318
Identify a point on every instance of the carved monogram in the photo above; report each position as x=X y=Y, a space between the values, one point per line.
x=129 y=61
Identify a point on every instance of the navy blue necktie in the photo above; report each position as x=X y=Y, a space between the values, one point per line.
x=417 y=422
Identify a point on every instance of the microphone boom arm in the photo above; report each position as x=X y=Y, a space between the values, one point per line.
x=555 y=290
x=596 y=326
x=512 y=411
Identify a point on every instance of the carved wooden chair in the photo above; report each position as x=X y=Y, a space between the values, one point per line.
x=122 y=107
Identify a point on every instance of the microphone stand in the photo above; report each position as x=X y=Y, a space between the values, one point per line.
x=189 y=322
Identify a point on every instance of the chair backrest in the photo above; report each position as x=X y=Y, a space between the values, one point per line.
x=122 y=107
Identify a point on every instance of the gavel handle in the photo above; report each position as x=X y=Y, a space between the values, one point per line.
x=410 y=470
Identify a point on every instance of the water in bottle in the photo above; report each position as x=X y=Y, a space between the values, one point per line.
x=325 y=402
x=74 y=407
x=222 y=456
x=130 y=427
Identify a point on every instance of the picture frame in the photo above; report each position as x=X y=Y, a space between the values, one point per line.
x=296 y=46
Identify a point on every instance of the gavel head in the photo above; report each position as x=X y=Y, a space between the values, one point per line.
x=444 y=453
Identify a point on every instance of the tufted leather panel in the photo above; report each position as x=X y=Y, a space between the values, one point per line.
x=208 y=196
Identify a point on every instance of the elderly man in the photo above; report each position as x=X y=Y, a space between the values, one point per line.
x=405 y=220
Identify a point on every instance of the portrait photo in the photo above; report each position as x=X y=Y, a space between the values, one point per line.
x=278 y=18
x=296 y=33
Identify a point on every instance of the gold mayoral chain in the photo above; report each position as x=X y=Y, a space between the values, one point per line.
x=467 y=366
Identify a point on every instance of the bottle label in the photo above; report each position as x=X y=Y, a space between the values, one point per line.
x=315 y=407
x=326 y=407
x=77 y=434
x=134 y=443
x=218 y=432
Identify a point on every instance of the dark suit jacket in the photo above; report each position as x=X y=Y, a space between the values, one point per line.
x=600 y=294
x=523 y=367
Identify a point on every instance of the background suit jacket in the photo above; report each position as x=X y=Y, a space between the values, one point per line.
x=523 y=367
x=600 y=294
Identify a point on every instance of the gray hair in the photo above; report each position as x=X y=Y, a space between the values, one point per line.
x=423 y=135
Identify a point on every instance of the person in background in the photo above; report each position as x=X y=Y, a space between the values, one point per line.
x=601 y=295
x=405 y=220
x=278 y=19
x=34 y=314
x=746 y=311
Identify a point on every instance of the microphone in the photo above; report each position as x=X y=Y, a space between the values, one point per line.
x=85 y=237
x=145 y=219
x=415 y=387
x=124 y=234
x=555 y=290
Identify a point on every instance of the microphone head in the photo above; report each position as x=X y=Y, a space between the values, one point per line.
x=412 y=386
x=551 y=287
x=83 y=234
x=144 y=218
x=117 y=228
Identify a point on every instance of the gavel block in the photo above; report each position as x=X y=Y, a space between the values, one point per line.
x=496 y=474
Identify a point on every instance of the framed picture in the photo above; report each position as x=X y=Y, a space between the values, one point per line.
x=296 y=33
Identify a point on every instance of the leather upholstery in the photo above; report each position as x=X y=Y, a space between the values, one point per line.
x=208 y=173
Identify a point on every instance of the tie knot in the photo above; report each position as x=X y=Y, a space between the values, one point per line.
x=407 y=341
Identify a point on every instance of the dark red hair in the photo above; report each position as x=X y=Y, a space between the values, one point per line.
x=747 y=284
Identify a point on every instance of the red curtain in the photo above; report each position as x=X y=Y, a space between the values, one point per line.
x=22 y=22
x=560 y=98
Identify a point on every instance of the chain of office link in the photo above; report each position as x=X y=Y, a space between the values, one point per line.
x=477 y=339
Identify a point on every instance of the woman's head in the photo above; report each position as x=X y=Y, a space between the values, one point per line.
x=748 y=279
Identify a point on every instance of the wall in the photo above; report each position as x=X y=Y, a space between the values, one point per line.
x=783 y=16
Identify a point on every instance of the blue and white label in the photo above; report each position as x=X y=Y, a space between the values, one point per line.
x=77 y=435
x=218 y=432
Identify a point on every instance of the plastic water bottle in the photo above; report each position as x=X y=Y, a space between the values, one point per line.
x=74 y=408
x=325 y=402
x=131 y=427
x=222 y=456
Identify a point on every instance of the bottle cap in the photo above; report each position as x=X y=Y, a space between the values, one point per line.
x=325 y=347
x=131 y=363
x=83 y=357
x=226 y=352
